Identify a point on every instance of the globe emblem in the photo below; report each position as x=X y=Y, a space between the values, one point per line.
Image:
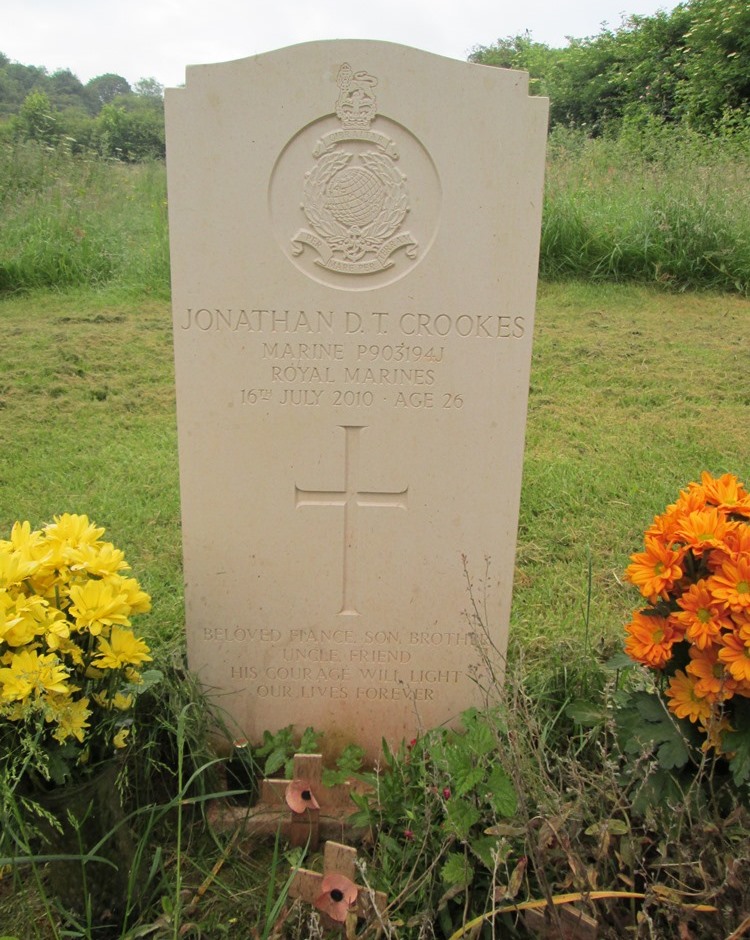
x=355 y=197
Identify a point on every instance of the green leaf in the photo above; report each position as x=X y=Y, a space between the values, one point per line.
x=275 y=761
x=502 y=794
x=309 y=742
x=480 y=738
x=673 y=754
x=586 y=713
x=644 y=724
x=619 y=661
x=649 y=706
x=465 y=780
x=457 y=870
x=615 y=827
x=460 y=817
x=737 y=742
x=485 y=847
x=149 y=678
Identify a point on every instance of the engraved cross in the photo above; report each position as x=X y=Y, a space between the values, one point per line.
x=351 y=498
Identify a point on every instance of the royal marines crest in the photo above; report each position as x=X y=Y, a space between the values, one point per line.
x=355 y=198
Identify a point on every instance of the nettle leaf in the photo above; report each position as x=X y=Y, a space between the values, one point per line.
x=309 y=742
x=459 y=762
x=460 y=817
x=466 y=779
x=485 y=848
x=480 y=738
x=457 y=870
x=502 y=794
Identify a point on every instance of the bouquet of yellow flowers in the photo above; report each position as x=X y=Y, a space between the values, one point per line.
x=695 y=631
x=69 y=659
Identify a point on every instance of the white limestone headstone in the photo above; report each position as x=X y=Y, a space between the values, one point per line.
x=354 y=233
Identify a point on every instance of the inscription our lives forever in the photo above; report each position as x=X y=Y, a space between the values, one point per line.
x=349 y=441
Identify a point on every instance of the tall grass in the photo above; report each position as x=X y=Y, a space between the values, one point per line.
x=71 y=221
x=655 y=205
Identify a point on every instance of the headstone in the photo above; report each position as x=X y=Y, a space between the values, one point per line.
x=354 y=233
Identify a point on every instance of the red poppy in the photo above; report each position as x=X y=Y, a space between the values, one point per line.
x=300 y=797
x=337 y=897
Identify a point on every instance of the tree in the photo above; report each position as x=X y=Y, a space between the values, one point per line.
x=717 y=55
x=104 y=88
x=130 y=135
x=66 y=90
x=36 y=119
x=149 y=88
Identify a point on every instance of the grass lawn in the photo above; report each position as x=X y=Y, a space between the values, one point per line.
x=634 y=392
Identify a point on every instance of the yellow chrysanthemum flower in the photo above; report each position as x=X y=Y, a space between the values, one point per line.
x=120 y=739
x=119 y=701
x=99 y=560
x=70 y=715
x=138 y=600
x=25 y=621
x=122 y=649
x=65 y=647
x=98 y=604
x=31 y=673
x=74 y=529
x=15 y=568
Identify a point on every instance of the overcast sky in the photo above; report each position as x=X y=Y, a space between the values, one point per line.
x=158 y=38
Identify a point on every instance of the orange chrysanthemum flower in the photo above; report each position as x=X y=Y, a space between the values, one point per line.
x=707 y=528
x=741 y=623
x=684 y=702
x=650 y=639
x=731 y=584
x=702 y=617
x=665 y=526
x=655 y=571
x=736 y=545
x=736 y=655
x=727 y=493
x=712 y=681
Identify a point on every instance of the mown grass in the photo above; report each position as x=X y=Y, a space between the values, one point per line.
x=634 y=392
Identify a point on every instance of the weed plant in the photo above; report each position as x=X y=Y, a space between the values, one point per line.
x=76 y=220
x=657 y=204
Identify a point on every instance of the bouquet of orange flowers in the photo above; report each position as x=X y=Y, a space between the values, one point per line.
x=69 y=659
x=695 y=575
